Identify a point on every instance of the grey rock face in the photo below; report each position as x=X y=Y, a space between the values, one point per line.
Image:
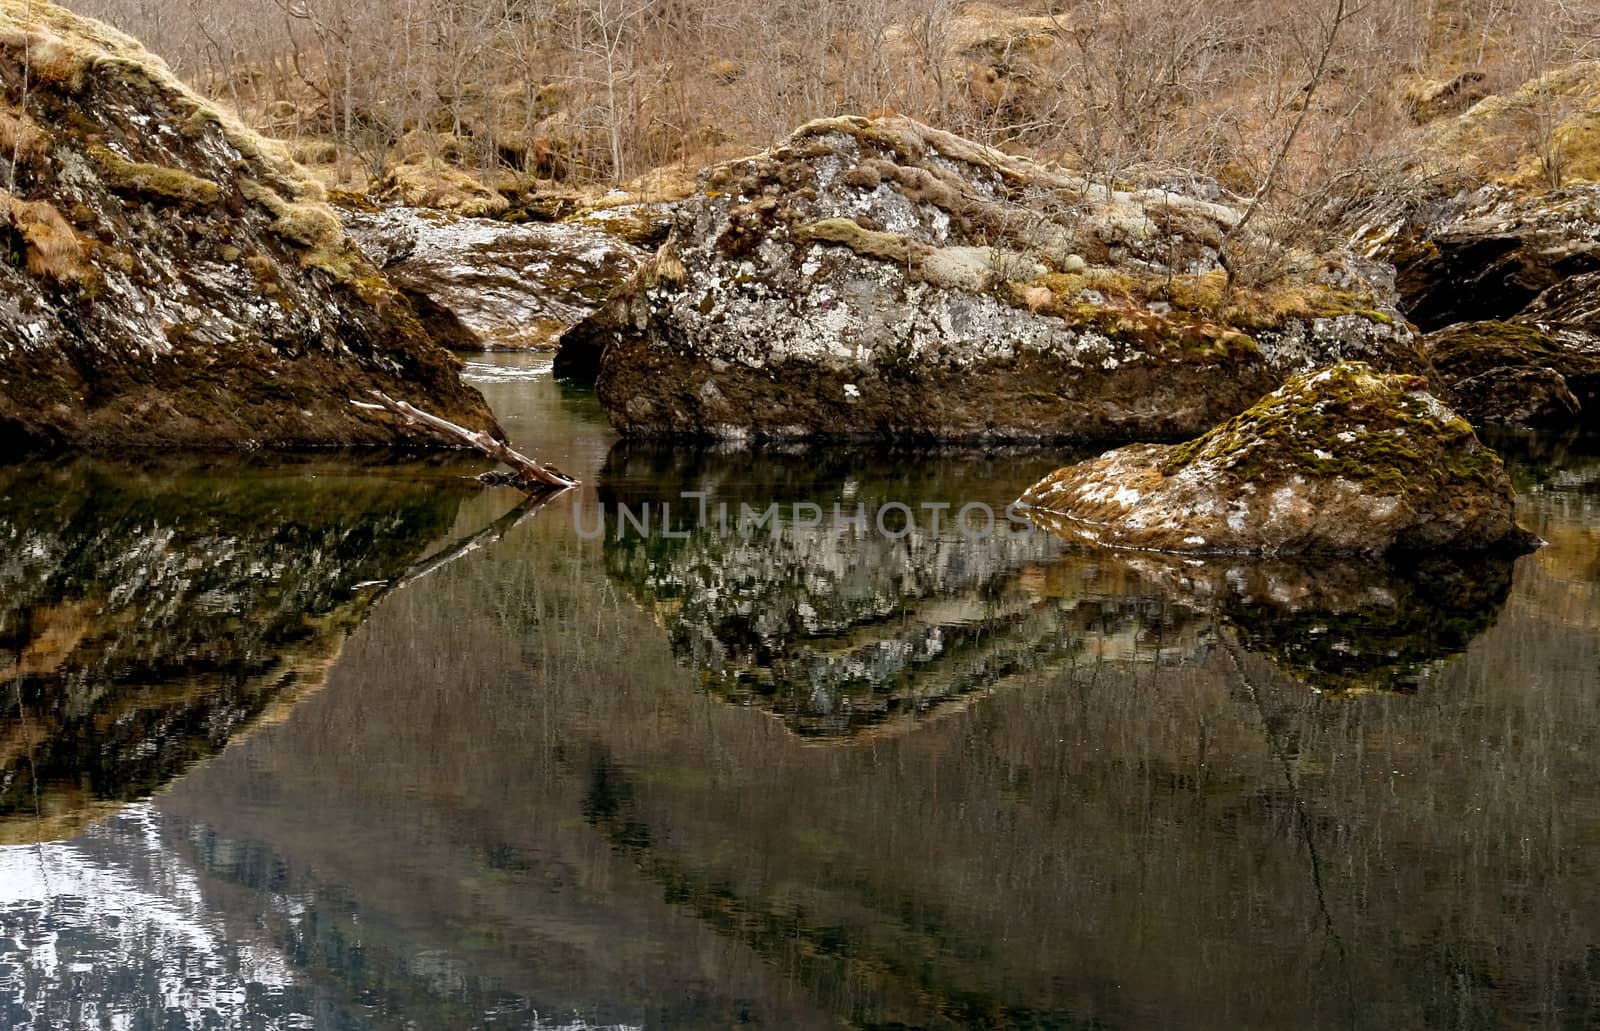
x=878 y=277
x=479 y=284
x=172 y=279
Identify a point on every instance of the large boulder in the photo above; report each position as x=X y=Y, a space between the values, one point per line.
x=479 y=284
x=171 y=278
x=872 y=277
x=1342 y=461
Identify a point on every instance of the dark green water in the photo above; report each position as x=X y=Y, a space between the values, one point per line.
x=333 y=742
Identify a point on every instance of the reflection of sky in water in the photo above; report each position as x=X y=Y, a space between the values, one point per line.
x=113 y=929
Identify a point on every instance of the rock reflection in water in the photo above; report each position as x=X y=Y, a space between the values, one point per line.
x=841 y=628
x=838 y=628
x=148 y=613
x=1342 y=625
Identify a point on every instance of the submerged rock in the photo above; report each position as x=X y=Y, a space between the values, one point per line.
x=171 y=278
x=1345 y=460
x=478 y=284
x=876 y=277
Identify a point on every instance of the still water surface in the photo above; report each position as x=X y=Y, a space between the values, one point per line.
x=348 y=743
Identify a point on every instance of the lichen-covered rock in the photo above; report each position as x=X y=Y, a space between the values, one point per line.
x=1573 y=303
x=169 y=277
x=872 y=277
x=1515 y=373
x=1344 y=460
x=479 y=284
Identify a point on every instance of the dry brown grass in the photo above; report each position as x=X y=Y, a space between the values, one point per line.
x=1103 y=85
x=21 y=138
x=52 y=248
x=1546 y=132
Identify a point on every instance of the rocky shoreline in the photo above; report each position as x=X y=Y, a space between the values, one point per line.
x=177 y=281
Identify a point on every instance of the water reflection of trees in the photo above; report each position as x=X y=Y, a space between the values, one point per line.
x=149 y=612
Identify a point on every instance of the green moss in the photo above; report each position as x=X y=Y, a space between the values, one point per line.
x=1472 y=347
x=156 y=182
x=1350 y=423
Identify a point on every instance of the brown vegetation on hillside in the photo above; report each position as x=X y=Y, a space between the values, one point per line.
x=600 y=91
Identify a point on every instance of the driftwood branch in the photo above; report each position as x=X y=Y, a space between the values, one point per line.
x=528 y=474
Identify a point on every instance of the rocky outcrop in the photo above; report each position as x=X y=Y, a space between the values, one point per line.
x=1342 y=461
x=1497 y=252
x=478 y=284
x=877 y=277
x=170 y=278
x=1517 y=374
x=1489 y=252
x=1504 y=282
x=1532 y=138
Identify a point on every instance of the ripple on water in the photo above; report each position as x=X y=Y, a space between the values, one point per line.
x=489 y=372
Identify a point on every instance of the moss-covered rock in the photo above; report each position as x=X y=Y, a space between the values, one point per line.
x=1516 y=374
x=875 y=276
x=169 y=277
x=1497 y=251
x=1345 y=460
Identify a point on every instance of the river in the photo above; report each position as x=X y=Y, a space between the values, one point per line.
x=799 y=737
